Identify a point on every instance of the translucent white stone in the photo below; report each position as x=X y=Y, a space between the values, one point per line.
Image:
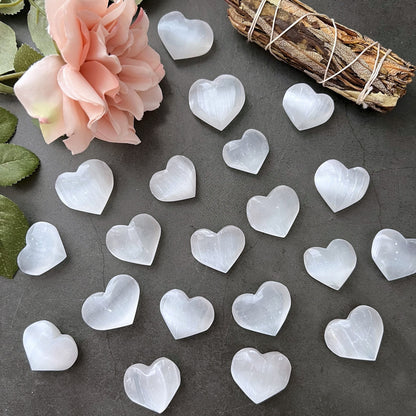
x=305 y=108
x=88 y=189
x=358 y=337
x=260 y=376
x=217 y=102
x=184 y=38
x=333 y=265
x=218 y=250
x=136 y=242
x=247 y=154
x=186 y=317
x=44 y=249
x=176 y=182
x=275 y=213
x=114 y=308
x=341 y=187
x=394 y=255
x=265 y=311
x=152 y=386
x=47 y=349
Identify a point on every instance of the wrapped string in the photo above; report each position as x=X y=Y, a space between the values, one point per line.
x=368 y=87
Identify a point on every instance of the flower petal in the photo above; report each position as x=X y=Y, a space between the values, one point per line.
x=39 y=93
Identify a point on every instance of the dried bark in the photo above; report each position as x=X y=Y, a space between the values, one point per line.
x=308 y=45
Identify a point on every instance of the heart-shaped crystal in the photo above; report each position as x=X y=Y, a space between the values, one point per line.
x=217 y=102
x=247 y=154
x=44 y=249
x=275 y=213
x=341 y=187
x=394 y=255
x=184 y=38
x=260 y=376
x=136 y=242
x=152 y=386
x=218 y=250
x=176 y=182
x=186 y=317
x=305 y=108
x=333 y=265
x=87 y=189
x=358 y=337
x=114 y=308
x=265 y=311
x=47 y=349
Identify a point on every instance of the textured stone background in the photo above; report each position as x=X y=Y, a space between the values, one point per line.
x=321 y=383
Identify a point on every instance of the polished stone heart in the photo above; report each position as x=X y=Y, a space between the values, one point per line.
x=184 y=38
x=265 y=311
x=136 y=242
x=152 y=386
x=114 y=308
x=358 y=337
x=247 y=154
x=218 y=250
x=44 y=249
x=275 y=213
x=333 y=265
x=394 y=255
x=305 y=108
x=217 y=102
x=47 y=349
x=176 y=182
x=87 y=189
x=341 y=187
x=186 y=317
x=260 y=376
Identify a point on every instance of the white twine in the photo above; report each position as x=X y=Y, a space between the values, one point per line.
x=368 y=87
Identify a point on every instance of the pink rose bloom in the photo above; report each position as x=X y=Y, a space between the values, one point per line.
x=106 y=75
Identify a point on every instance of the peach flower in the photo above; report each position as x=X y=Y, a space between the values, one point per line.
x=105 y=76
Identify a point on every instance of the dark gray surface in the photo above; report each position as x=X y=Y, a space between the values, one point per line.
x=321 y=383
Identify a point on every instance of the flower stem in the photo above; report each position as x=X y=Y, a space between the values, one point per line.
x=11 y=76
x=37 y=7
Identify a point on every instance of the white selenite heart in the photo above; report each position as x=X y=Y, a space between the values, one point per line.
x=47 y=349
x=218 y=250
x=88 y=189
x=247 y=154
x=393 y=254
x=217 y=102
x=114 y=308
x=184 y=38
x=341 y=187
x=333 y=265
x=152 y=386
x=260 y=376
x=176 y=182
x=265 y=311
x=358 y=337
x=305 y=108
x=43 y=251
x=137 y=242
x=184 y=316
x=275 y=213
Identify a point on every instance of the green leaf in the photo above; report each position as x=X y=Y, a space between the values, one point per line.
x=138 y=2
x=37 y=24
x=16 y=163
x=13 y=229
x=8 y=48
x=25 y=57
x=8 y=124
x=6 y=89
x=11 y=6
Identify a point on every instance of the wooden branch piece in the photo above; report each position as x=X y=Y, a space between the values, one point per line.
x=307 y=46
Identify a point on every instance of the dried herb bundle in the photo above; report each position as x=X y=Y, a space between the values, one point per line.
x=307 y=46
